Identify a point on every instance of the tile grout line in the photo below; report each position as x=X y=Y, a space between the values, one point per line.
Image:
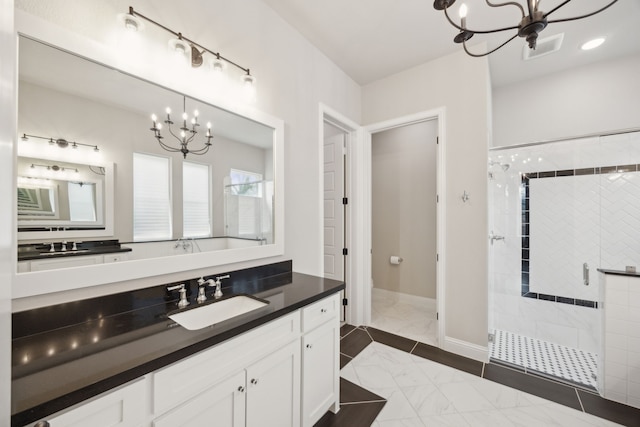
x=414 y=347
x=579 y=400
x=347 y=334
x=482 y=373
x=363 y=402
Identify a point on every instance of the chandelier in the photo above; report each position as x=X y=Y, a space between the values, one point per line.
x=184 y=134
x=532 y=23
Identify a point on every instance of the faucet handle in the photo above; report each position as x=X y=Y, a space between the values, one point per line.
x=202 y=297
x=218 y=285
x=183 y=295
x=53 y=247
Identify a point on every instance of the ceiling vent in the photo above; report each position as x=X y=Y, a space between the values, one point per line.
x=544 y=47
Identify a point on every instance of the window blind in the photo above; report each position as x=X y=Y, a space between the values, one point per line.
x=196 y=200
x=151 y=198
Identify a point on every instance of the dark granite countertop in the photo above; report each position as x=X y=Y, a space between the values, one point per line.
x=67 y=353
x=35 y=251
x=618 y=272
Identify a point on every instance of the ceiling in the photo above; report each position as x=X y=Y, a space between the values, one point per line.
x=372 y=39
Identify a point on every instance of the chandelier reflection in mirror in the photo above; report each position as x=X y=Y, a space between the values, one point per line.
x=532 y=23
x=184 y=47
x=185 y=135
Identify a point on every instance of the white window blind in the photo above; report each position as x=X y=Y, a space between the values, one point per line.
x=196 y=200
x=151 y=198
x=82 y=201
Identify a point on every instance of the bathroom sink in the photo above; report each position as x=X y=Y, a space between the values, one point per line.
x=216 y=312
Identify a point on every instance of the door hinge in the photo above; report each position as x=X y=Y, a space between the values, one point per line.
x=437 y=257
x=437 y=316
x=345 y=301
x=345 y=251
x=437 y=199
x=345 y=200
x=437 y=140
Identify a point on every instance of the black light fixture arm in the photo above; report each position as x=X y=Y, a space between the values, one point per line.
x=480 y=55
x=132 y=12
x=515 y=27
x=582 y=16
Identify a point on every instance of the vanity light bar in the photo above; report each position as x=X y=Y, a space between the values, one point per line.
x=132 y=22
x=60 y=142
x=54 y=168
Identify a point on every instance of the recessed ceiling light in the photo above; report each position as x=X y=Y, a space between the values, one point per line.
x=592 y=44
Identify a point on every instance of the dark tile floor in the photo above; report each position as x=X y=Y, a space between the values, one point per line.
x=359 y=407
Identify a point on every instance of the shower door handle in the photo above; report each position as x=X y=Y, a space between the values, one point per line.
x=585 y=274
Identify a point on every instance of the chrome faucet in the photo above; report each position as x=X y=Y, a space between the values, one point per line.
x=202 y=297
x=217 y=284
x=183 y=295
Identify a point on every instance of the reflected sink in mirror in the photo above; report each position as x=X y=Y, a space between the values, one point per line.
x=216 y=312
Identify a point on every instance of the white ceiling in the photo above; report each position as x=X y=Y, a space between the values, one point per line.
x=372 y=39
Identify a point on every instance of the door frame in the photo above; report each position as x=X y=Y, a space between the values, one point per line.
x=435 y=114
x=353 y=272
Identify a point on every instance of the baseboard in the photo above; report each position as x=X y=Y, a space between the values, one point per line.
x=466 y=349
x=428 y=303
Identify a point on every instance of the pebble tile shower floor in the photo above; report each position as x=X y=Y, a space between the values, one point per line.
x=568 y=364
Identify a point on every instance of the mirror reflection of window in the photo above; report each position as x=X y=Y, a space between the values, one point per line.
x=196 y=204
x=36 y=202
x=245 y=183
x=151 y=198
x=82 y=201
x=244 y=204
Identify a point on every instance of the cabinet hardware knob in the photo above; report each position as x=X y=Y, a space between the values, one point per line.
x=309 y=345
x=241 y=389
x=323 y=310
x=42 y=424
x=254 y=381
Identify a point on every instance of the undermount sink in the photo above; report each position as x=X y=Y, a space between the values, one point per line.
x=216 y=312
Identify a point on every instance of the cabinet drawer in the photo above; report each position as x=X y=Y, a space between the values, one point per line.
x=124 y=407
x=318 y=313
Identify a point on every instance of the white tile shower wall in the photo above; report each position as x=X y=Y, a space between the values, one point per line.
x=621 y=344
x=620 y=220
x=565 y=234
x=564 y=324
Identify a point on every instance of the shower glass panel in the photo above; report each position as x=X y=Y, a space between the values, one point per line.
x=249 y=210
x=565 y=209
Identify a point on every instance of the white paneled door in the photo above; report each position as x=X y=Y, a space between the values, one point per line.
x=333 y=206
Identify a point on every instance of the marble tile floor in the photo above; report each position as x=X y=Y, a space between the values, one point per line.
x=400 y=314
x=388 y=380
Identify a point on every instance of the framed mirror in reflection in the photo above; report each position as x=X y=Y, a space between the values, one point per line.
x=170 y=197
x=59 y=195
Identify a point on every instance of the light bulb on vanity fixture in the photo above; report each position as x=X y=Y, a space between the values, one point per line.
x=533 y=21
x=185 y=48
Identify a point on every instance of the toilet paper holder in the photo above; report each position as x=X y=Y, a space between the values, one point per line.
x=395 y=260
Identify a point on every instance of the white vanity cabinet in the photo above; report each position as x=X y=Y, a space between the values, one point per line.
x=320 y=359
x=284 y=373
x=70 y=261
x=225 y=403
x=123 y=407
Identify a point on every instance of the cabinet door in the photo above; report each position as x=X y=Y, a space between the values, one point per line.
x=320 y=372
x=125 y=407
x=273 y=389
x=223 y=405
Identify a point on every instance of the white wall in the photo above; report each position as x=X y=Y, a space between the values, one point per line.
x=595 y=98
x=403 y=175
x=293 y=78
x=7 y=187
x=461 y=85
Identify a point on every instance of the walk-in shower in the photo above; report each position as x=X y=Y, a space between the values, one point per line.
x=565 y=209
